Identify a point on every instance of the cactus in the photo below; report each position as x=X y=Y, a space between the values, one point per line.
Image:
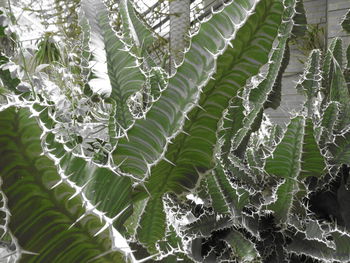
x=185 y=167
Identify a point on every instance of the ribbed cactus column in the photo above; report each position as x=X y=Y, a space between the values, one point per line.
x=179 y=26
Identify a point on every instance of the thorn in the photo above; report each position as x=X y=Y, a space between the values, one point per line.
x=119 y=214
x=199 y=106
x=101 y=255
x=57 y=184
x=86 y=213
x=121 y=163
x=167 y=160
x=124 y=131
x=80 y=190
x=147 y=164
x=148 y=258
x=144 y=186
x=29 y=252
x=185 y=133
x=102 y=229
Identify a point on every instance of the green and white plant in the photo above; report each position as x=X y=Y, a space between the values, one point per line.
x=104 y=158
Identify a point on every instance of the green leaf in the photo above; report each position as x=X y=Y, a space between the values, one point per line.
x=285 y=160
x=132 y=222
x=241 y=173
x=112 y=123
x=329 y=120
x=192 y=151
x=261 y=94
x=237 y=199
x=339 y=92
x=296 y=157
x=284 y=200
x=110 y=192
x=313 y=162
x=152 y=223
x=4 y=20
x=166 y=119
x=122 y=75
x=334 y=53
x=218 y=201
x=43 y=217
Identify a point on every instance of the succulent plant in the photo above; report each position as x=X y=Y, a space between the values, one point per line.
x=126 y=164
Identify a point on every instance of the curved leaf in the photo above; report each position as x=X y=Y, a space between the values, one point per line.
x=339 y=92
x=217 y=199
x=312 y=161
x=116 y=69
x=261 y=93
x=152 y=223
x=43 y=217
x=284 y=200
x=237 y=199
x=296 y=157
x=150 y=137
x=334 y=53
x=107 y=190
x=192 y=151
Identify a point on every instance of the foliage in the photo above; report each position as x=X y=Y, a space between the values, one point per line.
x=106 y=158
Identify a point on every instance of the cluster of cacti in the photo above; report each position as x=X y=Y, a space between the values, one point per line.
x=186 y=167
